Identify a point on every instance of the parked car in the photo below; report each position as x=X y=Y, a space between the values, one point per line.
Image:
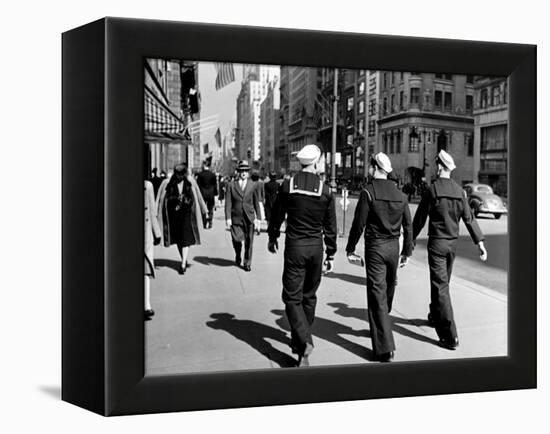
x=482 y=199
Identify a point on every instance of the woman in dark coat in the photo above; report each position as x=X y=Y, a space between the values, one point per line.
x=181 y=206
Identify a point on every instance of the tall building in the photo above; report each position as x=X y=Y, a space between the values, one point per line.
x=301 y=87
x=254 y=89
x=282 y=154
x=373 y=102
x=357 y=98
x=421 y=113
x=269 y=126
x=491 y=133
x=248 y=121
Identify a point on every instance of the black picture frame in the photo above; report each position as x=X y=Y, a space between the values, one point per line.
x=103 y=334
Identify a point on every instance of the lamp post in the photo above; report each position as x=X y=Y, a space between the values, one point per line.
x=334 y=131
x=413 y=143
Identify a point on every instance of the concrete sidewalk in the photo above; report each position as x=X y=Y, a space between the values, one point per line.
x=217 y=317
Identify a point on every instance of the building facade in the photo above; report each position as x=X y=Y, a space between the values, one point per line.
x=269 y=127
x=257 y=80
x=491 y=133
x=422 y=113
x=171 y=103
x=248 y=121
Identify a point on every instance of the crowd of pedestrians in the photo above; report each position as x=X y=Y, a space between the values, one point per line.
x=185 y=205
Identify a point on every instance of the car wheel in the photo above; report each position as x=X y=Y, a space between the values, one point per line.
x=497 y=216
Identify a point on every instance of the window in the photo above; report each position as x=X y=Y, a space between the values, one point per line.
x=361 y=126
x=349 y=139
x=448 y=101
x=469 y=79
x=438 y=75
x=385 y=79
x=438 y=99
x=350 y=103
x=401 y=100
x=401 y=76
x=415 y=95
x=469 y=103
x=399 y=139
x=361 y=106
x=391 y=142
x=372 y=128
x=469 y=139
x=372 y=107
x=361 y=88
x=385 y=106
x=413 y=140
x=484 y=98
x=494 y=138
x=448 y=76
x=392 y=105
x=385 y=142
x=392 y=77
x=496 y=95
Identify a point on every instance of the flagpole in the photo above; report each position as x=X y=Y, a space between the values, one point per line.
x=334 y=131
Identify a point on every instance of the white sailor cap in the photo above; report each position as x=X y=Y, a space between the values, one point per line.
x=382 y=161
x=446 y=160
x=308 y=155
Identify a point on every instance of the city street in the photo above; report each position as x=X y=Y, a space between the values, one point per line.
x=217 y=317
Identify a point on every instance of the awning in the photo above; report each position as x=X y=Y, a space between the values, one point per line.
x=162 y=124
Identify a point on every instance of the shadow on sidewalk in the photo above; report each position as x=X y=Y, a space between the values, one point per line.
x=254 y=334
x=218 y=262
x=169 y=263
x=331 y=331
x=344 y=310
x=357 y=280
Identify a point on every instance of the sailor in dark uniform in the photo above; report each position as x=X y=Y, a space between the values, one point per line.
x=382 y=210
x=445 y=202
x=310 y=214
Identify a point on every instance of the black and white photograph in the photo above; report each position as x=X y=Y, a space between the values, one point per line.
x=96 y=108
x=299 y=217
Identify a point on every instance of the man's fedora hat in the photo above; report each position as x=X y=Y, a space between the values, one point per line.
x=243 y=166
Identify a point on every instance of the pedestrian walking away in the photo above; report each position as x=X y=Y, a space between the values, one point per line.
x=242 y=214
x=152 y=238
x=381 y=212
x=445 y=203
x=261 y=196
x=308 y=206
x=271 y=188
x=208 y=185
x=180 y=208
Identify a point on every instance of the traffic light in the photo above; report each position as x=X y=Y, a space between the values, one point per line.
x=248 y=154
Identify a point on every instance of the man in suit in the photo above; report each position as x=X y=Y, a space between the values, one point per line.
x=271 y=188
x=209 y=189
x=242 y=213
x=445 y=203
x=308 y=206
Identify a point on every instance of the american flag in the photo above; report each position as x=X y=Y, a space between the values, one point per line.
x=226 y=74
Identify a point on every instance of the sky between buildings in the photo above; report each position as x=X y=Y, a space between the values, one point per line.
x=221 y=102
